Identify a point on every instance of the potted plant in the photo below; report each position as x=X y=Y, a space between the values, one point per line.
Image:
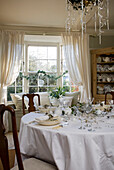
x=56 y=94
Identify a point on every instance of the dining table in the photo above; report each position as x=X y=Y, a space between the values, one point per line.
x=78 y=143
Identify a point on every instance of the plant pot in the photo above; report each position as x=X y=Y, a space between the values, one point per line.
x=54 y=101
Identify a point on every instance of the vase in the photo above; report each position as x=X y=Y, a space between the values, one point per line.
x=54 y=101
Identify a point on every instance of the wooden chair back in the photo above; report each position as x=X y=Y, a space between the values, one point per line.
x=111 y=93
x=31 y=106
x=4 y=142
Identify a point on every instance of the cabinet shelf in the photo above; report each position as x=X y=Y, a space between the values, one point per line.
x=101 y=95
x=105 y=62
x=112 y=82
x=108 y=72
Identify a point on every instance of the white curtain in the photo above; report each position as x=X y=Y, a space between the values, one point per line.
x=10 y=59
x=11 y=51
x=76 y=51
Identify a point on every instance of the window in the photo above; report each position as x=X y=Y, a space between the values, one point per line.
x=17 y=86
x=42 y=58
x=42 y=53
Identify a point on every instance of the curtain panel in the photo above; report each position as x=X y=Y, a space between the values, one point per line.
x=76 y=51
x=11 y=45
x=11 y=51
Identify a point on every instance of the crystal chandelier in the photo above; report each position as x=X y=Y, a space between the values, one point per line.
x=80 y=12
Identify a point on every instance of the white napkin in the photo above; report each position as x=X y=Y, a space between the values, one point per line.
x=110 y=121
x=42 y=118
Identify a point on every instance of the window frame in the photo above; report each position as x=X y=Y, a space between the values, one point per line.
x=26 y=61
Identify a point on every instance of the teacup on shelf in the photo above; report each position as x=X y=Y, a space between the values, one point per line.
x=108 y=79
x=106 y=59
x=99 y=59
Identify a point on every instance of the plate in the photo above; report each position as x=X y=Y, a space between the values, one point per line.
x=50 y=122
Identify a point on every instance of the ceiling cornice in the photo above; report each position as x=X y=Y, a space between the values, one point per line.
x=34 y=29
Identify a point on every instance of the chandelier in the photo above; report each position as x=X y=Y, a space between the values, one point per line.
x=81 y=12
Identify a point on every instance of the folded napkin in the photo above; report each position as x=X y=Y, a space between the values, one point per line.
x=110 y=121
x=42 y=118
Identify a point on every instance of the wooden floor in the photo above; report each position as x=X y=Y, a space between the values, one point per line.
x=11 y=151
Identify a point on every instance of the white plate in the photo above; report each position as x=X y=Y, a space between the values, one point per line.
x=49 y=122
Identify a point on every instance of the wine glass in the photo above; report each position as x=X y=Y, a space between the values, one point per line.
x=110 y=102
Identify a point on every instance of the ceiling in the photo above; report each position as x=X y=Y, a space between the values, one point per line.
x=47 y=13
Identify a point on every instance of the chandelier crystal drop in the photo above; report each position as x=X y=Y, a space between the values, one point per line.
x=81 y=12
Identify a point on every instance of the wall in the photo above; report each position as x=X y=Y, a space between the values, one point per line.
x=107 y=41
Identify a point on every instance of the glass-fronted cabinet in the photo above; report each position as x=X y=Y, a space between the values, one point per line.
x=102 y=72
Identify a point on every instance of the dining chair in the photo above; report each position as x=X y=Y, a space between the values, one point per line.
x=30 y=102
x=112 y=94
x=28 y=164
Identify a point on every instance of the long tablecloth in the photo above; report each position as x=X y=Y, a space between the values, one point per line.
x=69 y=147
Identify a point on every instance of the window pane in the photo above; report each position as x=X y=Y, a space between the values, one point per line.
x=36 y=53
x=38 y=65
x=66 y=80
x=33 y=80
x=12 y=85
x=52 y=65
x=42 y=80
x=33 y=89
x=42 y=52
x=19 y=81
x=66 y=88
x=52 y=52
x=18 y=89
x=51 y=88
x=38 y=58
x=43 y=65
x=32 y=51
x=10 y=90
x=33 y=65
x=52 y=81
x=42 y=89
x=74 y=88
x=64 y=66
x=21 y=68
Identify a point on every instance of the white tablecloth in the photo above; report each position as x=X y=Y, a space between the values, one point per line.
x=70 y=147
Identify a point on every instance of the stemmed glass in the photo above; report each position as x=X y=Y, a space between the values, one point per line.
x=50 y=107
x=90 y=101
x=111 y=104
x=64 y=104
